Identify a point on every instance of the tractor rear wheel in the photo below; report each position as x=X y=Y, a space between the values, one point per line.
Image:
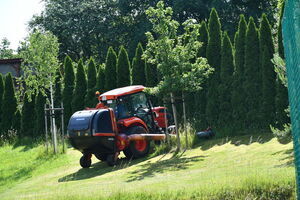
x=111 y=160
x=137 y=149
x=85 y=161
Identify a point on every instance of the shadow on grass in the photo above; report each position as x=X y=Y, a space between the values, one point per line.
x=99 y=169
x=289 y=158
x=175 y=163
x=235 y=140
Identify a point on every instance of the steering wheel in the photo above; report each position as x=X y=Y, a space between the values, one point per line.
x=141 y=111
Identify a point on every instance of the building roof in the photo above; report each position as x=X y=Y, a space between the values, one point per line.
x=114 y=94
x=11 y=61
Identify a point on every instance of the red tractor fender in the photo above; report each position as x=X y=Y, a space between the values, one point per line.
x=132 y=121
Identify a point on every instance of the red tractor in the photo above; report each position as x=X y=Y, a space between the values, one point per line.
x=123 y=120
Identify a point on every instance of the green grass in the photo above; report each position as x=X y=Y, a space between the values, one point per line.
x=247 y=167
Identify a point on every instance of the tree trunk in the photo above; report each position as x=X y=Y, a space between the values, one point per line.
x=176 y=123
x=53 y=121
x=184 y=121
x=166 y=123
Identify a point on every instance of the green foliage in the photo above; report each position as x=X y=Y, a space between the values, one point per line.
x=101 y=24
x=281 y=105
x=213 y=52
x=111 y=69
x=265 y=38
x=252 y=74
x=174 y=58
x=226 y=76
x=151 y=75
x=268 y=88
x=1 y=95
x=9 y=104
x=80 y=88
x=90 y=99
x=57 y=98
x=213 y=55
x=281 y=100
x=101 y=79
x=198 y=99
x=203 y=37
x=39 y=125
x=40 y=57
x=5 y=51
x=138 y=67
x=279 y=33
x=268 y=74
x=17 y=122
x=68 y=89
x=238 y=93
x=28 y=117
x=123 y=68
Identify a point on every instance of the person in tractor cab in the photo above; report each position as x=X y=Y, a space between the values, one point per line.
x=122 y=110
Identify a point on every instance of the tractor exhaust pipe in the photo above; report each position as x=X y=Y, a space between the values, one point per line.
x=136 y=137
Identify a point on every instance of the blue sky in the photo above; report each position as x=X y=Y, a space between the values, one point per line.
x=14 y=17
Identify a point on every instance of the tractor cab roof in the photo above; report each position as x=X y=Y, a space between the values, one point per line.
x=114 y=94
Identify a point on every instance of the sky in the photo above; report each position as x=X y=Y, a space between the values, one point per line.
x=14 y=18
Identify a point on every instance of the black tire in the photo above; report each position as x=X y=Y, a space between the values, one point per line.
x=111 y=160
x=85 y=161
x=100 y=156
x=131 y=151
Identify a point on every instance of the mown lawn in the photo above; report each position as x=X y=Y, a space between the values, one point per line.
x=247 y=167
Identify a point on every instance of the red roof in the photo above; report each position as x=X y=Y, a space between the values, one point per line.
x=114 y=94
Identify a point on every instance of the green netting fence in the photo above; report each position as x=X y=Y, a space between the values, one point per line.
x=291 y=39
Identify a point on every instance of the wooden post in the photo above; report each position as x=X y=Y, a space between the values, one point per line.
x=62 y=126
x=176 y=123
x=184 y=121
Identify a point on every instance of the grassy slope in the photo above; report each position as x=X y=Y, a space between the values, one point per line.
x=217 y=169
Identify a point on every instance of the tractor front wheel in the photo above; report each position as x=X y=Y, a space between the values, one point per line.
x=86 y=161
x=101 y=156
x=139 y=148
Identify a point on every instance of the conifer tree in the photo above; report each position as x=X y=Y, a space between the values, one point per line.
x=28 y=117
x=267 y=71
x=68 y=89
x=57 y=98
x=281 y=100
x=9 y=104
x=225 y=87
x=199 y=99
x=16 y=124
x=252 y=74
x=90 y=99
x=39 y=128
x=111 y=70
x=238 y=93
x=151 y=75
x=265 y=38
x=213 y=55
x=268 y=89
x=100 y=86
x=123 y=67
x=80 y=88
x=1 y=95
x=203 y=37
x=138 y=67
